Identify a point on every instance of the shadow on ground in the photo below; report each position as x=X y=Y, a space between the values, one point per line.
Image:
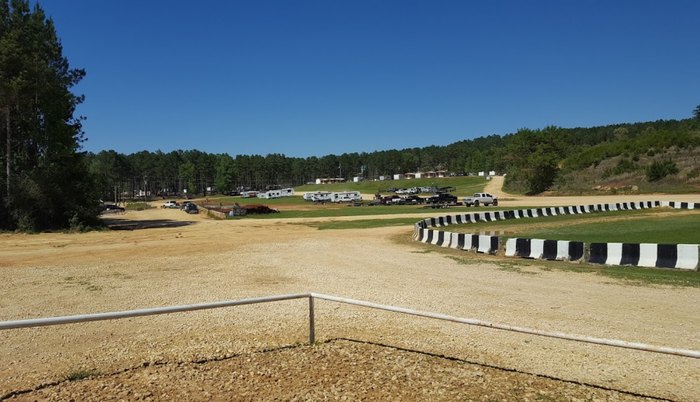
x=121 y=224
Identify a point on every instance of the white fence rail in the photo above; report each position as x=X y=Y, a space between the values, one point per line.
x=39 y=322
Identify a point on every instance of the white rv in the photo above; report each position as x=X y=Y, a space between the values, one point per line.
x=318 y=196
x=270 y=194
x=346 y=196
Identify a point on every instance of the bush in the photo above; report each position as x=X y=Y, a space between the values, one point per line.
x=660 y=169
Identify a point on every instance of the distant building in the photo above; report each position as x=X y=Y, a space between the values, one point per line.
x=330 y=180
x=398 y=176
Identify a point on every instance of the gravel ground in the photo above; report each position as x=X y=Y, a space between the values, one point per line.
x=338 y=370
x=185 y=259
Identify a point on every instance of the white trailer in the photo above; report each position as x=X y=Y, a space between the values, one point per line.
x=270 y=194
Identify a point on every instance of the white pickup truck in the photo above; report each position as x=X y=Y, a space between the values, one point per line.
x=477 y=199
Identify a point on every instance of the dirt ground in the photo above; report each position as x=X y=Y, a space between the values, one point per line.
x=165 y=257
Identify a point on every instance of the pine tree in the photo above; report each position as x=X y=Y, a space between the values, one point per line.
x=45 y=183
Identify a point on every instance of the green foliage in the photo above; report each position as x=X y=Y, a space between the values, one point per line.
x=81 y=374
x=45 y=182
x=660 y=169
x=138 y=206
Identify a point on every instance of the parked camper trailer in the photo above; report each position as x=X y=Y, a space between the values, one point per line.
x=346 y=196
x=270 y=194
x=318 y=196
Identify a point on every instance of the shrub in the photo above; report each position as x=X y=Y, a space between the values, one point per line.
x=660 y=169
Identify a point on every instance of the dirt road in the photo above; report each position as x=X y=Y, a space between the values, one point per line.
x=167 y=258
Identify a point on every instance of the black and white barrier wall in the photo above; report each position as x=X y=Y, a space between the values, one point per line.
x=680 y=256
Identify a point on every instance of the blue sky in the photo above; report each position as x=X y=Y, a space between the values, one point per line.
x=310 y=78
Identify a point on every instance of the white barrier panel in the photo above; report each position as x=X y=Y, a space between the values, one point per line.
x=510 y=248
x=687 y=256
x=536 y=248
x=614 y=254
x=484 y=244
x=647 y=255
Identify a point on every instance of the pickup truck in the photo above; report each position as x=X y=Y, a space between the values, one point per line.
x=477 y=199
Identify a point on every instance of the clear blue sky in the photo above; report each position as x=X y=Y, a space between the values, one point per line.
x=307 y=78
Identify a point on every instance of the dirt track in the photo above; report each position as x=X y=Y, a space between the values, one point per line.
x=180 y=259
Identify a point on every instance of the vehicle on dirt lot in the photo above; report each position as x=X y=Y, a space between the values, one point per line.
x=191 y=208
x=170 y=204
x=442 y=198
x=477 y=199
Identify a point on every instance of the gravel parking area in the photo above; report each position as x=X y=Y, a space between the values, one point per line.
x=170 y=258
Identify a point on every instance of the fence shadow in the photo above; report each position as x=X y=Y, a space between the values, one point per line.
x=123 y=224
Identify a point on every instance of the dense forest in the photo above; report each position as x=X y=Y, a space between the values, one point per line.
x=533 y=159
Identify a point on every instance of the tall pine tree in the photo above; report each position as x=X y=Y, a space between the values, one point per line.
x=45 y=184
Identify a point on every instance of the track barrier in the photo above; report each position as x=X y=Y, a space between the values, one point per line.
x=677 y=256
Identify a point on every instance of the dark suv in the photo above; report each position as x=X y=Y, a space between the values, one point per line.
x=442 y=198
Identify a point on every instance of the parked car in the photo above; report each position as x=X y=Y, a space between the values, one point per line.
x=170 y=204
x=191 y=208
x=477 y=199
x=390 y=199
x=442 y=198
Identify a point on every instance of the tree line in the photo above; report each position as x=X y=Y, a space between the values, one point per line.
x=532 y=159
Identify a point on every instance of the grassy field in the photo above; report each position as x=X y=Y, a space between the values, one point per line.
x=465 y=185
x=642 y=226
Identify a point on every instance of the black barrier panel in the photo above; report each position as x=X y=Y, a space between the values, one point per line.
x=440 y=238
x=630 y=254
x=510 y=214
x=476 y=218
x=575 y=250
x=459 y=219
x=539 y=212
x=522 y=247
x=441 y=221
x=448 y=220
x=460 y=241
x=599 y=253
x=684 y=205
x=432 y=222
x=617 y=205
x=475 y=242
x=666 y=255
x=429 y=239
x=494 y=244
x=549 y=250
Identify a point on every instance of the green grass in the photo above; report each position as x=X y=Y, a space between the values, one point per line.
x=363 y=223
x=465 y=185
x=137 y=206
x=633 y=276
x=81 y=374
x=640 y=226
x=347 y=211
